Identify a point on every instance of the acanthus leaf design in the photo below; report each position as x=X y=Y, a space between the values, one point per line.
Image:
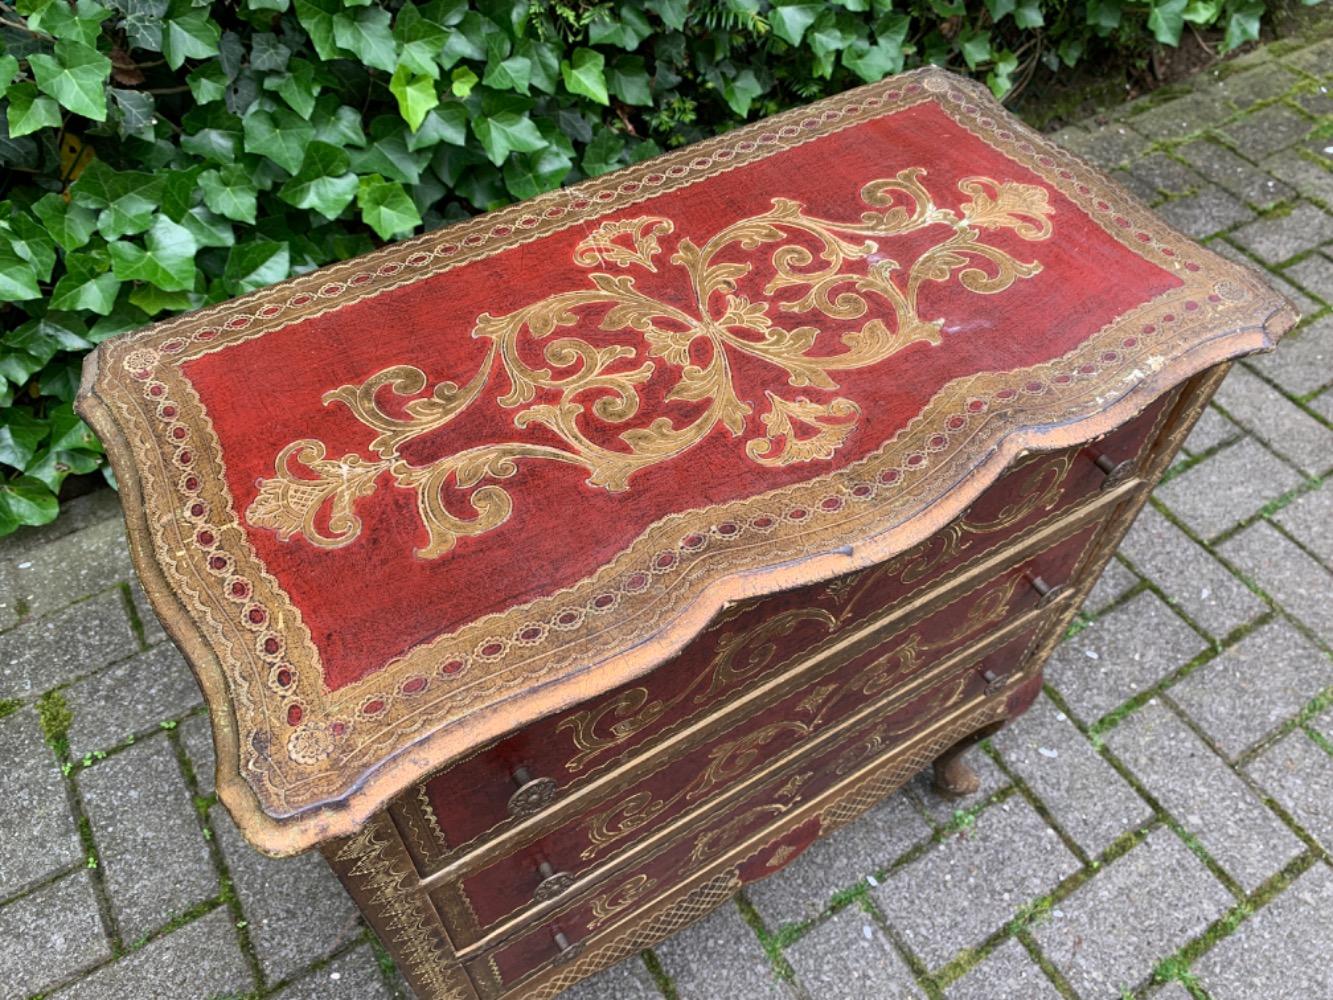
x=315 y=497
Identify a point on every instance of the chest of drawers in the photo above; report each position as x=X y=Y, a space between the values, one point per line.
x=560 y=572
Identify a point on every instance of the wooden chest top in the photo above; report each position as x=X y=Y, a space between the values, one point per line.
x=407 y=504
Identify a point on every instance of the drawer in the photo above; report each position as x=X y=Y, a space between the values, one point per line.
x=478 y=798
x=898 y=663
x=774 y=802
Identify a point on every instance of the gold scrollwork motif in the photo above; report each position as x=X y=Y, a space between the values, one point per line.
x=606 y=906
x=573 y=384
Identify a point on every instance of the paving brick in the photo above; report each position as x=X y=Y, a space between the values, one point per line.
x=1244 y=90
x=196 y=735
x=1140 y=189
x=75 y=515
x=1007 y=973
x=39 y=655
x=626 y=980
x=1172 y=991
x=1281 y=951
x=296 y=909
x=1125 y=651
x=153 y=856
x=1109 y=934
x=1226 y=488
x=1286 y=428
x=1298 y=774
x=50 y=935
x=967 y=887
x=1083 y=793
x=1303 y=303
x=201 y=960
x=1318 y=103
x=73 y=566
x=1166 y=175
x=1323 y=405
x=941 y=807
x=1285 y=573
x=1209 y=211
x=720 y=957
x=1188 y=574
x=1253 y=687
x=1313 y=59
x=1315 y=275
x=1304 y=359
x=1111 y=585
x=1203 y=794
x=129 y=698
x=800 y=891
x=1212 y=430
x=37 y=831
x=354 y=975
x=1268 y=130
x=848 y=958
x=1311 y=179
x=1308 y=520
x=1108 y=145
x=1234 y=173
x=1278 y=238
x=1179 y=118
x=153 y=632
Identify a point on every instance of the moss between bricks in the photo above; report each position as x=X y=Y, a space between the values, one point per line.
x=55 y=718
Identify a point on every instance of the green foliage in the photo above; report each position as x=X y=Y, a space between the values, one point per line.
x=158 y=155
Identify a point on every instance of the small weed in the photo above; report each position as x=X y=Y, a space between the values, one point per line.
x=8 y=706
x=168 y=724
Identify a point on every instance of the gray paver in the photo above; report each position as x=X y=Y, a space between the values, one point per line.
x=848 y=958
x=1203 y=794
x=1172 y=991
x=1209 y=211
x=39 y=655
x=153 y=856
x=1111 y=585
x=1286 y=573
x=1303 y=173
x=1178 y=118
x=296 y=909
x=1109 y=145
x=802 y=889
x=1298 y=773
x=942 y=808
x=1211 y=430
x=1194 y=581
x=1288 y=430
x=1246 y=89
x=1235 y=174
x=354 y=975
x=73 y=566
x=1083 y=793
x=1165 y=174
x=1228 y=487
x=1267 y=131
x=720 y=957
x=1315 y=275
x=1278 y=238
x=1309 y=519
x=1313 y=59
x=50 y=935
x=75 y=515
x=1281 y=951
x=1304 y=304
x=967 y=887
x=1110 y=933
x=626 y=980
x=1007 y=973
x=1304 y=359
x=37 y=831
x=201 y=960
x=196 y=736
x=153 y=633
x=129 y=698
x=1127 y=650
x=1246 y=692
x=1323 y=405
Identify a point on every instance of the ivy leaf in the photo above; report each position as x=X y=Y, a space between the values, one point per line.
x=1104 y=15
x=528 y=175
x=18 y=280
x=9 y=71
x=167 y=259
x=420 y=40
x=445 y=123
x=1166 y=21
x=624 y=32
x=316 y=16
x=583 y=75
x=33 y=243
x=1243 y=26
x=189 y=33
x=280 y=135
x=672 y=12
x=137 y=114
x=127 y=198
x=298 y=86
x=30 y=111
x=208 y=230
x=86 y=284
x=603 y=153
x=81 y=22
x=26 y=500
x=324 y=182
x=628 y=80
x=385 y=207
x=1027 y=14
x=789 y=21
x=505 y=131
x=975 y=46
x=467 y=40
x=999 y=8
x=462 y=80
x=342 y=127
x=142 y=22
x=230 y=192
x=255 y=264
x=366 y=34
x=415 y=93
x=53 y=466
x=208 y=82
x=512 y=73
x=543 y=63
x=267 y=54
x=388 y=153
x=740 y=91
x=75 y=75
x=69 y=224
x=21 y=434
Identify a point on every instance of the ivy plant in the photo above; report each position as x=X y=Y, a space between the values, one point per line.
x=159 y=155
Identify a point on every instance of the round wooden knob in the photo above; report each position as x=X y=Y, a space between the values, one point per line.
x=1047 y=595
x=1116 y=472
x=532 y=794
x=568 y=951
x=553 y=883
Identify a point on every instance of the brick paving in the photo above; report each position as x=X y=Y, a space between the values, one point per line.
x=1159 y=827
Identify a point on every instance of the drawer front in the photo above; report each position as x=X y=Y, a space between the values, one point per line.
x=480 y=797
x=768 y=805
x=898 y=663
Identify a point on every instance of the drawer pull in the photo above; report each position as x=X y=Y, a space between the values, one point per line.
x=533 y=794
x=553 y=883
x=567 y=951
x=1046 y=594
x=993 y=681
x=1116 y=472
